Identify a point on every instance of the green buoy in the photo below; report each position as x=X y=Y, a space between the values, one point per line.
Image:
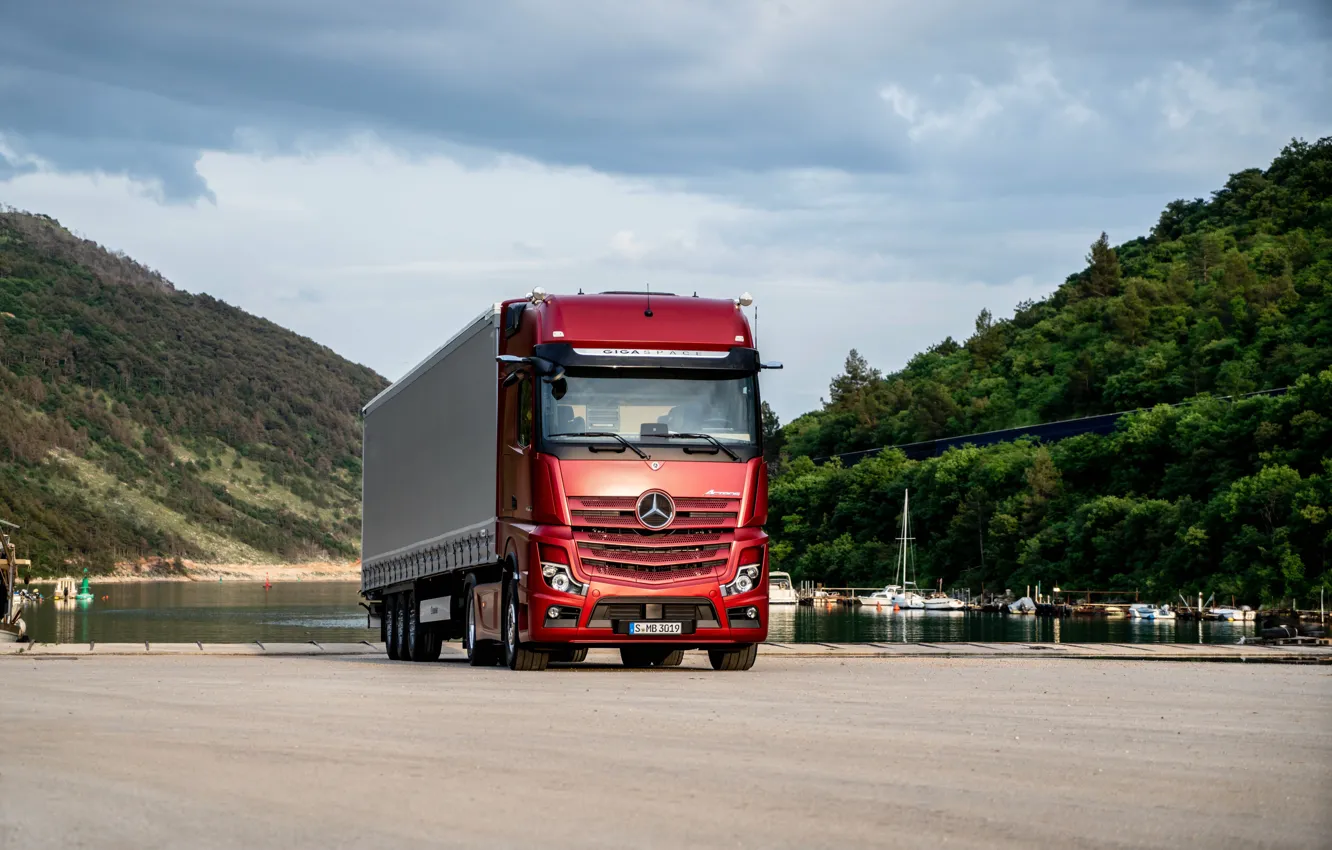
x=85 y=593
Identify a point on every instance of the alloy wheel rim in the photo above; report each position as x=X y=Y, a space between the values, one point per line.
x=471 y=627
x=511 y=639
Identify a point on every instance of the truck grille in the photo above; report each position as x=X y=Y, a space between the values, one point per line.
x=626 y=519
x=627 y=503
x=650 y=538
x=618 y=512
x=638 y=575
x=645 y=557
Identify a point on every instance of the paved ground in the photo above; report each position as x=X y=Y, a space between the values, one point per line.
x=175 y=750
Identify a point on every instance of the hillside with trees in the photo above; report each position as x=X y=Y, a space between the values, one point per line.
x=1224 y=297
x=139 y=422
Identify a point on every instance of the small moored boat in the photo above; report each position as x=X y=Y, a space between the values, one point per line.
x=1025 y=605
x=780 y=590
x=941 y=602
x=1147 y=611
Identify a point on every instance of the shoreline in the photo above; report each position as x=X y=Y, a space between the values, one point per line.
x=199 y=572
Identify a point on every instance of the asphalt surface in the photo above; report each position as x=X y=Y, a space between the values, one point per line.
x=355 y=751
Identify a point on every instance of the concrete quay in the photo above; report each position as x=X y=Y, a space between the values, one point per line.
x=335 y=746
x=1250 y=653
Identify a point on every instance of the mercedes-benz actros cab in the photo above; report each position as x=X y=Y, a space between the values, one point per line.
x=570 y=472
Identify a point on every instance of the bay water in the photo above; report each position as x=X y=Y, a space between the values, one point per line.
x=327 y=612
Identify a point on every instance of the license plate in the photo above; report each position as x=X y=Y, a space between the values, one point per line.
x=656 y=628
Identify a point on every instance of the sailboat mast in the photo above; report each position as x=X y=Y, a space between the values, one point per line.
x=906 y=511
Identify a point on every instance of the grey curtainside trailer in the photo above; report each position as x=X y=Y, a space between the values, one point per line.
x=429 y=478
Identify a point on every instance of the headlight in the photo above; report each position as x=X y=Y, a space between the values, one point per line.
x=745 y=579
x=559 y=579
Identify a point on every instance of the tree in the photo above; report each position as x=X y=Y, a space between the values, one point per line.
x=857 y=377
x=772 y=434
x=1103 y=273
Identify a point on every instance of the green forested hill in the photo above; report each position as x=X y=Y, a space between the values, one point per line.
x=141 y=422
x=1225 y=296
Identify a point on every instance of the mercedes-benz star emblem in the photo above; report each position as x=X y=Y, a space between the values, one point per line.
x=655 y=509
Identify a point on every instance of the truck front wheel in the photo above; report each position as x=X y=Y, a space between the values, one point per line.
x=741 y=658
x=478 y=654
x=517 y=656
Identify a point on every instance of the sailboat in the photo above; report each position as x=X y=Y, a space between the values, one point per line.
x=902 y=594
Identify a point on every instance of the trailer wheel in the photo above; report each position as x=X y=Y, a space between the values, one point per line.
x=423 y=640
x=733 y=659
x=517 y=656
x=482 y=655
x=391 y=626
x=431 y=645
x=406 y=625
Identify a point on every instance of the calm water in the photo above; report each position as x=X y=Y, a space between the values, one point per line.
x=223 y=612
x=230 y=612
x=836 y=624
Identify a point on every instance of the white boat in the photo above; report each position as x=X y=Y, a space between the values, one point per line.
x=908 y=598
x=881 y=598
x=1147 y=611
x=940 y=602
x=1243 y=614
x=780 y=590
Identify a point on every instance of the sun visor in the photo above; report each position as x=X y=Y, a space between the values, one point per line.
x=742 y=360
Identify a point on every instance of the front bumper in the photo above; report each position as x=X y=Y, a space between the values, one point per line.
x=602 y=616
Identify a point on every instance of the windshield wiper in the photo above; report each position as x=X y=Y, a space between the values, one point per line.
x=711 y=439
x=628 y=445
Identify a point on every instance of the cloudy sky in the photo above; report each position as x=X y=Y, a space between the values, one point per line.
x=372 y=174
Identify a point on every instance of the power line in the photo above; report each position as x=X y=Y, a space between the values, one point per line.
x=1102 y=423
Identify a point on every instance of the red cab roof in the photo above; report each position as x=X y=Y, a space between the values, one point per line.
x=619 y=319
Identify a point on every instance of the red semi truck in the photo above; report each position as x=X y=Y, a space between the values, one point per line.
x=573 y=471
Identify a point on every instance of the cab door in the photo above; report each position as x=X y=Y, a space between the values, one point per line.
x=517 y=430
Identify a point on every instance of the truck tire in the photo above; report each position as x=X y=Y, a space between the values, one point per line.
x=423 y=641
x=406 y=625
x=672 y=659
x=741 y=658
x=569 y=656
x=432 y=646
x=517 y=656
x=391 y=626
x=478 y=654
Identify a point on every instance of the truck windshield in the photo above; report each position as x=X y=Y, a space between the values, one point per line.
x=722 y=408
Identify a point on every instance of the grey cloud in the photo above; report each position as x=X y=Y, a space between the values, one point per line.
x=656 y=88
